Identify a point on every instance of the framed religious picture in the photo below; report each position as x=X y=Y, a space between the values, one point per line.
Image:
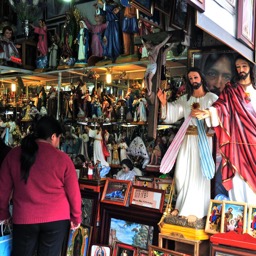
x=246 y=22
x=156 y=250
x=90 y=202
x=145 y=6
x=167 y=185
x=144 y=181
x=147 y=197
x=218 y=66
x=116 y=191
x=251 y=223
x=79 y=241
x=56 y=9
x=164 y=6
x=229 y=5
x=100 y=250
x=121 y=249
x=128 y=225
x=198 y=4
x=155 y=20
x=227 y=250
x=233 y=217
x=213 y=221
x=179 y=16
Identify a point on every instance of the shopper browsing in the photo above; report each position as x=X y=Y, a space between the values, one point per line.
x=46 y=196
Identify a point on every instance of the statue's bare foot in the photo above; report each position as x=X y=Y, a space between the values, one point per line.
x=151 y=98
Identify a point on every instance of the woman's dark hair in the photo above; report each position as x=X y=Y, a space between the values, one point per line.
x=128 y=163
x=252 y=70
x=189 y=87
x=44 y=129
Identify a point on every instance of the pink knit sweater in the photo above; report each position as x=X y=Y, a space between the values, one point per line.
x=52 y=191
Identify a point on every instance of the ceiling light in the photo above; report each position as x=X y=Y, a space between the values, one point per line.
x=13 y=87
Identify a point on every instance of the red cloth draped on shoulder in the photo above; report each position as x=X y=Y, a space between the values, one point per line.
x=236 y=135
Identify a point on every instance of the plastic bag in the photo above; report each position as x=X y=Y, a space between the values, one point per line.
x=5 y=239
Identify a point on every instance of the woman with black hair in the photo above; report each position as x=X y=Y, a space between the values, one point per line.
x=46 y=196
x=128 y=171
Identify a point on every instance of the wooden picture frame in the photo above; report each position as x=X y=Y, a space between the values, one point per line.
x=116 y=191
x=228 y=5
x=163 y=183
x=156 y=250
x=167 y=185
x=179 y=15
x=99 y=249
x=55 y=9
x=233 y=217
x=155 y=20
x=222 y=250
x=213 y=221
x=251 y=222
x=199 y=5
x=79 y=240
x=52 y=30
x=144 y=181
x=145 y=6
x=121 y=249
x=132 y=223
x=90 y=202
x=164 y=6
x=147 y=197
x=141 y=252
x=246 y=22
x=29 y=54
x=217 y=65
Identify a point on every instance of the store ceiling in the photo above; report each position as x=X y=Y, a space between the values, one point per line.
x=130 y=71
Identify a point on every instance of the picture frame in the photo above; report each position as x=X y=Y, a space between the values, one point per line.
x=155 y=20
x=167 y=185
x=251 y=223
x=90 y=202
x=233 y=217
x=144 y=181
x=245 y=22
x=217 y=65
x=163 y=183
x=52 y=30
x=116 y=191
x=141 y=252
x=99 y=249
x=145 y=6
x=79 y=240
x=147 y=197
x=229 y=5
x=156 y=250
x=179 y=15
x=29 y=54
x=55 y=9
x=121 y=249
x=222 y=250
x=164 y=6
x=199 y=5
x=126 y=224
x=213 y=221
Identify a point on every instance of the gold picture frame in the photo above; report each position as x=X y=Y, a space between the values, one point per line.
x=213 y=221
x=233 y=217
x=251 y=223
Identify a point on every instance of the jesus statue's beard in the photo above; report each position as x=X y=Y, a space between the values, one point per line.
x=243 y=75
x=196 y=85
